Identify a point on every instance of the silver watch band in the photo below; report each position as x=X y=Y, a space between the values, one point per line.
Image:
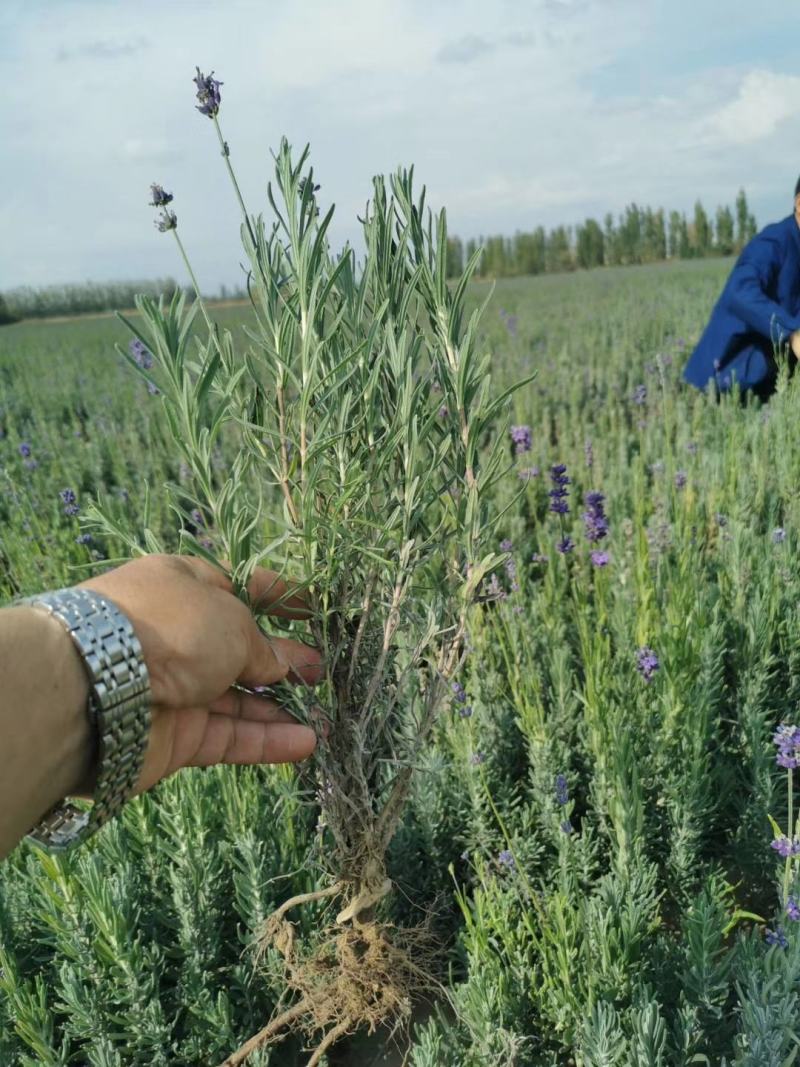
x=119 y=707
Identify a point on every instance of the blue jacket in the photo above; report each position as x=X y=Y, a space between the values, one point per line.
x=758 y=306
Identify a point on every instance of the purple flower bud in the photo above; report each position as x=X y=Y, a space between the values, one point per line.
x=562 y=789
x=506 y=545
x=778 y=536
x=640 y=394
x=160 y=197
x=565 y=545
x=521 y=436
x=680 y=479
x=83 y=539
x=69 y=501
x=786 y=847
x=566 y=827
x=140 y=354
x=207 y=93
x=477 y=758
x=777 y=937
x=793 y=909
x=506 y=859
x=25 y=449
x=600 y=559
x=647 y=663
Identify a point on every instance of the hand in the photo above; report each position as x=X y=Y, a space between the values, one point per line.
x=794 y=341
x=198 y=639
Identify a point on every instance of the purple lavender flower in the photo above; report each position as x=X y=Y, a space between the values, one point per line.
x=207 y=93
x=566 y=827
x=506 y=859
x=588 y=453
x=558 y=494
x=477 y=758
x=562 y=789
x=83 y=539
x=167 y=220
x=465 y=711
x=793 y=909
x=721 y=520
x=647 y=663
x=776 y=937
x=680 y=479
x=459 y=692
x=527 y=473
x=640 y=394
x=24 y=449
x=443 y=410
x=521 y=436
x=160 y=197
x=691 y=448
x=69 y=501
x=152 y=389
x=600 y=559
x=197 y=517
x=778 y=536
x=787 y=740
x=495 y=590
x=140 y=354
x=506 y=545
x=594 y=517
x=786 y=847
x=565 y=545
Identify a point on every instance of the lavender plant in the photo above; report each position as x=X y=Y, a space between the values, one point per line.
x=361 y=405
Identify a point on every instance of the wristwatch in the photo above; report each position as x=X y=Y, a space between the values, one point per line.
x=118 y=708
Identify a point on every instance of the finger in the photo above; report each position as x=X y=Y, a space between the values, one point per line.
x=241 y=741
x=268 y=592
x=273 y=659
x=304 y=661
x=241 y=705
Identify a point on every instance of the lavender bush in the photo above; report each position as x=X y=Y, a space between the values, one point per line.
x=383 y=518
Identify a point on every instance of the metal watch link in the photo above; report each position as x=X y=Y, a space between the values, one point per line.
x=119 y=710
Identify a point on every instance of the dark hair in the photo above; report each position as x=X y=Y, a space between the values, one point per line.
x=797 y=188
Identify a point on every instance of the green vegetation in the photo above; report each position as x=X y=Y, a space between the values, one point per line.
x=27 y=302
x=639 y=235
x=614 y=917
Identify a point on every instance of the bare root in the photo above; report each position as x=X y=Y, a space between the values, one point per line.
x=363 y=975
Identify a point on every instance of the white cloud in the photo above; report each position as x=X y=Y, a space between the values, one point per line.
x=764 y=101
x=527 y=134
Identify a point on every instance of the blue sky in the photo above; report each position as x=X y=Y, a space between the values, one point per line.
x=514 y=113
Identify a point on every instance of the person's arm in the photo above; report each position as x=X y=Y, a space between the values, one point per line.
x=45 y=737
x=753 y=274
x=200 y=643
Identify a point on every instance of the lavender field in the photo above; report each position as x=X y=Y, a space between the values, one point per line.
x=598 y=834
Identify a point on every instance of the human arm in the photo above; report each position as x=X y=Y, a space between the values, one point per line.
x=747 y=298
x=197 y=640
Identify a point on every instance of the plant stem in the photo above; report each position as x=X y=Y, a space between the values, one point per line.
x=182 y=250
x=227 y=158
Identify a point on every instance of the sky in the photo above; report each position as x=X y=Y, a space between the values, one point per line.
x=514 y=113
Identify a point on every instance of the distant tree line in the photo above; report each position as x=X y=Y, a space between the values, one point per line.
x=638 y=235
x=27 y=302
